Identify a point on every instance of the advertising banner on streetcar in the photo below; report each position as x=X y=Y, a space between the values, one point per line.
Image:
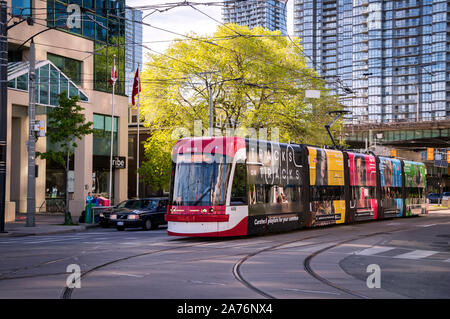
x=362 y=169
x=326 y=173
x=415 y=183
x=363 y=181
x=391 y=183
x=414 y=174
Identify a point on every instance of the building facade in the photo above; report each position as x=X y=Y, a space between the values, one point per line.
x=394 y=56
x=76 y=56
x=270 y=14
x=133 y=47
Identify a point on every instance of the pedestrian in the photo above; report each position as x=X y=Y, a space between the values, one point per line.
x=89 y=198
x=95 y=200
x=54 y=191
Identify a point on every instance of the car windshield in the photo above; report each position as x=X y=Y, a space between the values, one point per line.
x=132 y=204
x=152 y=204
x=201 y=183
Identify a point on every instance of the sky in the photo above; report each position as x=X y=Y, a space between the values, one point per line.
x=183 y=20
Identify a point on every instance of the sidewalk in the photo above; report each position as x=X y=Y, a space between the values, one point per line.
x=439 y=210
x=46 y=224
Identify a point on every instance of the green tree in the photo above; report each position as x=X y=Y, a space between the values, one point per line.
x=257 y=79
x=65 y=124
x=154 y=170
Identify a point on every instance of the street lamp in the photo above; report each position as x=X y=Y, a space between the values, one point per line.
x=4 y=102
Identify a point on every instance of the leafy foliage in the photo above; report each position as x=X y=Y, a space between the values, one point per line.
x=258 y=80
x=155 y=170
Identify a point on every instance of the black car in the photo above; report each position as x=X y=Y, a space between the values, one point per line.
x=104 y=220
x=434 y=198
x=147 y=213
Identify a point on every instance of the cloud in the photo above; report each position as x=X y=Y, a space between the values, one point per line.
x=182 y=20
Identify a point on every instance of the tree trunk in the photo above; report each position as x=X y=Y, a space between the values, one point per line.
x=67 y=215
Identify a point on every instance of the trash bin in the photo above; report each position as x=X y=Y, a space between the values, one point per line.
x=89 y=212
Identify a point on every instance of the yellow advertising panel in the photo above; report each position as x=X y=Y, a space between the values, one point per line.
x=339 y=208
x=326 y=167
x=394 y=153
x=335 y=161
x=312 y=165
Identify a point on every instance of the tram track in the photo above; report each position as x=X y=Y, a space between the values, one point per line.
x=67 y=292
x=237 y=268
x=307 y=262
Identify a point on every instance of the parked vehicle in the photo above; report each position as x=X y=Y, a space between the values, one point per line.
x=433 y=198
x=147 y=213
x=104 y=220
x=446 y=196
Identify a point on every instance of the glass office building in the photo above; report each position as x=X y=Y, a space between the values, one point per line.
x=270 y=14
x=104 y=22
x=393 y=55
x=133 y=47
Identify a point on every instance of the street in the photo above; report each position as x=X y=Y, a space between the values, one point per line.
x=412 y=254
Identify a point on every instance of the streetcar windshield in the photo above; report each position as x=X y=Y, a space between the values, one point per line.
x=200 y=182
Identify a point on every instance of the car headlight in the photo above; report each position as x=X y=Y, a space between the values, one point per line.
x=113 y=217
x=133 y=217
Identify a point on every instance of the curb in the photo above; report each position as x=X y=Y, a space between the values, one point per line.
x=19 y=234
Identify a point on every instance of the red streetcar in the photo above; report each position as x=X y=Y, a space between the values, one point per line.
x=232 y=186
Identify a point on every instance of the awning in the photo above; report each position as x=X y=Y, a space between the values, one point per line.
x=50 y=81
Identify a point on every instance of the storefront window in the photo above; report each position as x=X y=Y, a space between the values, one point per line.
x=102 y=135
x=21 y=7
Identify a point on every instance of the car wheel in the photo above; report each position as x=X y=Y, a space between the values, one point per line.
x=120 y=228
x=148 y=224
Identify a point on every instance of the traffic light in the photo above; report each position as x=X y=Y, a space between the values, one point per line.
x=430 y=154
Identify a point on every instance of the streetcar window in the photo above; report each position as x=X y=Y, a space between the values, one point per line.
x=325 y=193
x=201 y=183
x=391 y=192
x=274 y=194
x=238 y=189
x=414 y=192
x=363 y=192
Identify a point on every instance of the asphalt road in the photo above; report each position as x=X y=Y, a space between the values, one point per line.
x=412 y=256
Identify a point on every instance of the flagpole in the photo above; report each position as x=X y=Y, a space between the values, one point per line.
x=112 y=138
x=137 y=144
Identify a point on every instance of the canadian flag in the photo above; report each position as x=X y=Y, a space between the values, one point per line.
x=136 y=86
x=113 y=74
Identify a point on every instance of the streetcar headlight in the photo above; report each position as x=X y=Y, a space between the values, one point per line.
x=211 y=210
x=101 y=215
x=113 y=216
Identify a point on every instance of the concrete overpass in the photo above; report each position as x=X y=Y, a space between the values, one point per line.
x=410 y=140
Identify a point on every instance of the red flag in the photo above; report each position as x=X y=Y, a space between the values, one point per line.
x=136 y=86
x=113 y=74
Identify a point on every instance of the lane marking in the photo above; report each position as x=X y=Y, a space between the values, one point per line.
x=312 y=291
x=374 y=250
x=127 y=275
x=416 y=254
x=205 y=282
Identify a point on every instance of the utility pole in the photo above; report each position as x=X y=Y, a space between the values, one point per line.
x=31 y=189
x=3 y=108
x=211 y=111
